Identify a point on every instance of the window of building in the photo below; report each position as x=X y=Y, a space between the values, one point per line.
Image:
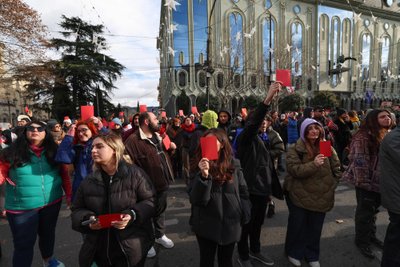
x=180 y=37
x=237 y=80
x=268 y=4
x=297 y=48
x=200 y=23
x=182 y=78
x=202 y=79
x=220 y=80
x=385 y=49
x=236 y=42
x=253 y=81
x=365 y=55
x=268 y=42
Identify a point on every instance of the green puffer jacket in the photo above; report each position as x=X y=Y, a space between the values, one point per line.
x=37 y=184
x=308 y=186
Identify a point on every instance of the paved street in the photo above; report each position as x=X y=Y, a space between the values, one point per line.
x=337 y=247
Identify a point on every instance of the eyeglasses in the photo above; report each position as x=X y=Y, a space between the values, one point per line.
x=82 y=130
x=33 y=128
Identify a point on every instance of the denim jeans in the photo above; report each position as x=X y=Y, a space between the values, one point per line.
x=391 y=256
x=252 y=230
x=26 y=226
x=303 y=232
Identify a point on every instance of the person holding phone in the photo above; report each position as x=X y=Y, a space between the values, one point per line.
x=217 y=194
x=114 y=187
x=34 y=191
x=310 y=188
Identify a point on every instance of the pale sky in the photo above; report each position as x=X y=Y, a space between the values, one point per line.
x=131 y=31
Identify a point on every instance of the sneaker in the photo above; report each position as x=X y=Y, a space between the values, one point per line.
x=54 y=263
x=261 y=258
x=378 y=243
x=165 y=242
x=366 y=251
x=244 y=263
x=151 y=253
x=271 y=209
x=294 y=262
x=314 y=264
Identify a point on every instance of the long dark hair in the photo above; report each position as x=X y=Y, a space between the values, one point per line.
x=19 y=152
x=370 y=126
x=313 y=148
x=222 y=169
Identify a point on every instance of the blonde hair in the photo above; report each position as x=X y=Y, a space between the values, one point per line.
x=115 y=143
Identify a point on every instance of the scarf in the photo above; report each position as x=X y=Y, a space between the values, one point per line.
x=189 y=128
x=37 y=150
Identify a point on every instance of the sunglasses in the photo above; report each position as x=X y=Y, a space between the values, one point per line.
x=32 y=128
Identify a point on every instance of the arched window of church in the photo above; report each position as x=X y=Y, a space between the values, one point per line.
x=179 y=31
x=335 y=48
x=268 y=43
x=268 y=4
x=365 y=55
x=385 y=47
x=200 y=23
x=296 y=53
x=236 y=42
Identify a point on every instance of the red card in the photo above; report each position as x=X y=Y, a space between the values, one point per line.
x=283 y=77
x=325 y=148
x=121 y=114
x=209 y=148
x=163 y=114
x=111 y=125
x=167 y=142
x=142 y=108
x=26 y=109
x=106 y=219
x=194 y=110
x=181 y=113
x=244 y=112
x=87 y=112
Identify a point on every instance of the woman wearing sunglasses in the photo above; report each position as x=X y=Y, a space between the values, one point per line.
x=34 y=191
x=76 y=149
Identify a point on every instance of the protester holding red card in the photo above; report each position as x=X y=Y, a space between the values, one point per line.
x=119 y=196
x=310 y=186
x=219 y=199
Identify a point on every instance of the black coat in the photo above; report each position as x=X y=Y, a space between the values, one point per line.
x=216 y=208
x=255 y=158
x=130 y=189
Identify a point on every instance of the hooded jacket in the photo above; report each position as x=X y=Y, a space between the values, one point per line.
x=308 y=186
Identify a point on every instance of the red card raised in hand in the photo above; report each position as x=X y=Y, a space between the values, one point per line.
x=142 y=108
x=106 y=219
x=283 y=77
x=325 y=148
x=181 y=113
x=194 y=110
x=26 y=109
x=163 y=114
x=167 y=142
x=209 y=148
x=87 y=112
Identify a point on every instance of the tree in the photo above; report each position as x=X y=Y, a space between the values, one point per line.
x=201 y=103
x=22 y=36
x=325 y=99
x=251 y=102
x=291 y=102
x=82 y=76
x=183 y=102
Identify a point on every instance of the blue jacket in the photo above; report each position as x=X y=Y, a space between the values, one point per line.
x=79 y=155
x=293 y=135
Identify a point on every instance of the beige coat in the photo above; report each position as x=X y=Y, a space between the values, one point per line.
x=311 y=187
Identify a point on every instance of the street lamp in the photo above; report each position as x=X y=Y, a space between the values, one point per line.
x=209 y=68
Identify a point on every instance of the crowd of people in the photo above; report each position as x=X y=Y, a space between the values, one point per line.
x=115 y=177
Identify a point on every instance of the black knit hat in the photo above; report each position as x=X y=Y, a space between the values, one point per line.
x=340 y=111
